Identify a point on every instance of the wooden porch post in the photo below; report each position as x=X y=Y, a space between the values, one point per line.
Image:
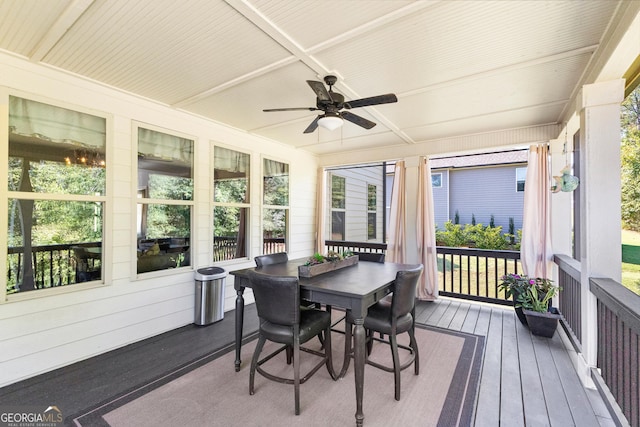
x=600 y=239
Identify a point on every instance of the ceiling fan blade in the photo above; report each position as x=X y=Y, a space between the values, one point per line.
x=320 y=90
x=360 y=121
x=374 y=100
x=269 y=110
x=313 y=126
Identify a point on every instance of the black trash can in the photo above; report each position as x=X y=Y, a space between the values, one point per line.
x=209 y=295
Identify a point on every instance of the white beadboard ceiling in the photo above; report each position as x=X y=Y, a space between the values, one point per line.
x=458 y=68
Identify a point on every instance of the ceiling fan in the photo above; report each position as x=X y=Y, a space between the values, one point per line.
x=331 y=103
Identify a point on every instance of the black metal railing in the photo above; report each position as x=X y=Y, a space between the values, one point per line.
x=343 y=246
x=51 y=265
x=225 y=248
x=466 y=273
x=570 y=298
x=475 y=274
x=618 y=350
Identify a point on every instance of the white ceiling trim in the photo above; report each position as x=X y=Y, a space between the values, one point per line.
x=59 y=28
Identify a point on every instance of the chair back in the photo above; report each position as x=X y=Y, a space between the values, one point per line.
x=277 y=298
x=277 y=258
x=370 y=256
x=404 y=291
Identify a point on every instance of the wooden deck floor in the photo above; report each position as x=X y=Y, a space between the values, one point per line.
x=526 y=380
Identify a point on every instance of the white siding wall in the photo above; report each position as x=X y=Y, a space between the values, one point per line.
x=43 y=330
x=356 y=182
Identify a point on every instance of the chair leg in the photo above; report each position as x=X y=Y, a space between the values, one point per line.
x=396 y=364
x=414 y=345
x=289 y=353
x=254 y=363
x=328 y=354
x=296 y=371
x=369 y=341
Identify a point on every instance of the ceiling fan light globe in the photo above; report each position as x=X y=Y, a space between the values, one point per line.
x=330 y=122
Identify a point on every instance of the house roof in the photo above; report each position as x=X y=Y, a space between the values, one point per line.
x=488 y=159
x=459 y=68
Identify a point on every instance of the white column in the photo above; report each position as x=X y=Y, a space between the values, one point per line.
x=561 y=218
x=600 y=242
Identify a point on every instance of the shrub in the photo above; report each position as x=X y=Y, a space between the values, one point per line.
x=453 y=235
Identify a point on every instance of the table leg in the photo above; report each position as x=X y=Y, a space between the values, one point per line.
x=239 y=324
x=359 y=362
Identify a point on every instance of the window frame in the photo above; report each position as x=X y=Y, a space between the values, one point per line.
x=246 y=204
x=373 y=211
x=104 y=200
x=264 y=207
x=146 y=201
x=339 y=210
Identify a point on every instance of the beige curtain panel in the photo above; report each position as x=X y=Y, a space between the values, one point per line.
x=426 y=235
x=397 y=216
x=536 y=253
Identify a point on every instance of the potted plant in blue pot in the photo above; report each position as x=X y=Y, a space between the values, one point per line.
x=542 y=319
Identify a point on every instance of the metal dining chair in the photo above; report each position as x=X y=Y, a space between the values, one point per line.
x=284 y=322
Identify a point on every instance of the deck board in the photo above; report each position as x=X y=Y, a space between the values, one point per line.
x=526 y=380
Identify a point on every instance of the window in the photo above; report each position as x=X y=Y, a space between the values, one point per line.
x=231 y=204
x=275 y=215
x=372 y=209
x=56 y=196
x=165 y=200
x=521 y=175
x=436 y=180
x=338 y=197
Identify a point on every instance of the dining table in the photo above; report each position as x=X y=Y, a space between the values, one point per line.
x=354 y=288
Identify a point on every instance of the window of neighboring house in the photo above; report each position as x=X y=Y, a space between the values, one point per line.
x=56 y=196
x=436 y=180
x=372 y=208
x=338 y=197
x=275 y=204
x=165 y=200
x=521 y=175
x=231 y=204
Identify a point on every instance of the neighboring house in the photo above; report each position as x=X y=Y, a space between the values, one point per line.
x=355 y=204
x=480 y=185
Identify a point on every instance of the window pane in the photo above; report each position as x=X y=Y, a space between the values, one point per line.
x=337 y=192
x=53 y=243
x=276 y=183
x=231 y=176
x=274 y=230
x=521 y=174
x=337 y=225
x=229 y=233
x=436 y=180
x=371 y=225
x=372 y=197
x=164 y=166
x=55 y=150
x=164 y=241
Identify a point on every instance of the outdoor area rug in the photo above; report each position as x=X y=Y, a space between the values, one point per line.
x=208 y=392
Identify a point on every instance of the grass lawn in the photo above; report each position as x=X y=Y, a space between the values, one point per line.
x=631 y=260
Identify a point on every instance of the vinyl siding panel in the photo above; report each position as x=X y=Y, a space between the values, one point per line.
x=484 y=192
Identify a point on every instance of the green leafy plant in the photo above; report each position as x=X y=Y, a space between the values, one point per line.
x=331 y=256
x=521 y=284
x=535 y=299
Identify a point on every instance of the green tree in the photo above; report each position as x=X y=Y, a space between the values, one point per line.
x=630 y=159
